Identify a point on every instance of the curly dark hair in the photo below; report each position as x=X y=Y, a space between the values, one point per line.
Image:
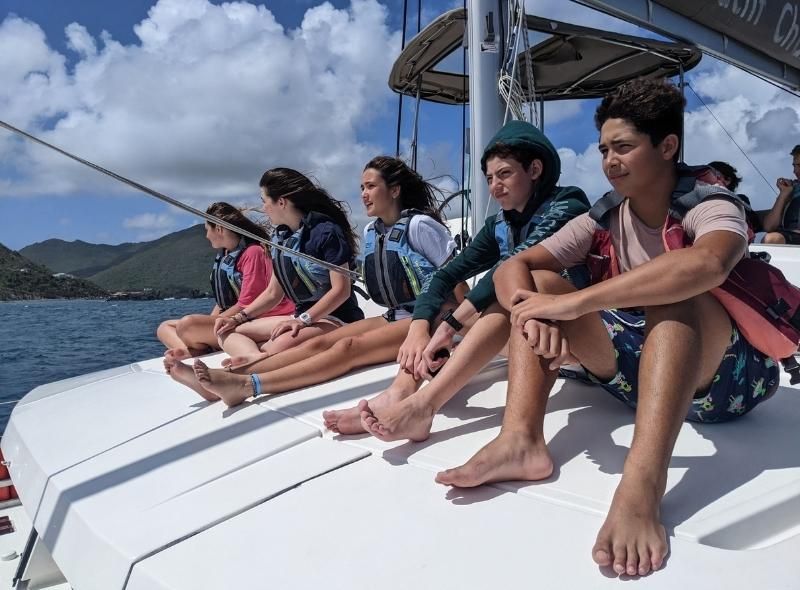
x=729 y=172
x=653 y=107
x=502 y=150
x=307 y=197
x=415 y=193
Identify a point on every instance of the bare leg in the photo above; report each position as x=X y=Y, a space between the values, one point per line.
x=519 y=451
x=167 y=333
x=243 y=340
x=197 y=333
x=265 y=362
x=184 y=375
x=774 y=238
x=683 y=348
x=374 y=347
x=411 y=417
x=285 y=341
x=231 y=388
x=349 y=421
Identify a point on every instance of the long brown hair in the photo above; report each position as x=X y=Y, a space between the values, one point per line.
x=234 y=216
x=415 y=193
x=307 y=197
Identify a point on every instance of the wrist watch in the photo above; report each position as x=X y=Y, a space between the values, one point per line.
x=305 y=317
x=450 y=319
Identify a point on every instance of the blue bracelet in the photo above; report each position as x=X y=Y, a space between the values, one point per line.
x=256 y=385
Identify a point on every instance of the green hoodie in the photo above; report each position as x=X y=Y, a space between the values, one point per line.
x=559 y=205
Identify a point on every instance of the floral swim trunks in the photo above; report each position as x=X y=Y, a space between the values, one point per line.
x=744 y=379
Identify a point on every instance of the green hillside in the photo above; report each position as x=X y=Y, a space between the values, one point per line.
x=79 y=258
x=21 y=278
x=178 y=264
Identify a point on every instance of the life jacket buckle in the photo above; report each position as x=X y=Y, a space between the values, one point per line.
x=791 y=366
x=778 y=309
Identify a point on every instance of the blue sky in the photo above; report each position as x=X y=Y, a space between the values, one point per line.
x=196 y=99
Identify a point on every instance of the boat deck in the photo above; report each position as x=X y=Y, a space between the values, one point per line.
x=146 y=486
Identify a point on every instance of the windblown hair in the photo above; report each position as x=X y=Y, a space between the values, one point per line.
x=307 y=197
x=415 y=193
x=795 y=150
x=653 y=107
x=234 y=216
x=502 y=150
x=729 y=172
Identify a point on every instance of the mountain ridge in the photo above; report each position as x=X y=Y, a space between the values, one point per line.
x=175 y=265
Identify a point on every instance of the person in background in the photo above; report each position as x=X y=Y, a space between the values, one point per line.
x=242 y=270
x=730 y=179
x=782 y=222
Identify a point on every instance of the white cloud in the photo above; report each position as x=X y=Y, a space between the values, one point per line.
x=150 y=221
x=583 y=170
x=209 y=98
x=80 y=41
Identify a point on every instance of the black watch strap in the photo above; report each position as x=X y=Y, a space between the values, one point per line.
x=452 y=321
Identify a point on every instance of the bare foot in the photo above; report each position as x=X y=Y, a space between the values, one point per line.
x=231 y=388
x=510 y=456
x=632 y=538
x=408 y=419
x=184 y=375
x=177 y=354
x=349 y=421
x=244 y=360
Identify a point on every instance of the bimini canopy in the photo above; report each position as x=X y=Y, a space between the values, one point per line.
x=573 y=62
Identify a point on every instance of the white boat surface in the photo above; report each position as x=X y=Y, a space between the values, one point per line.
x=134 y=482
x=128 y=480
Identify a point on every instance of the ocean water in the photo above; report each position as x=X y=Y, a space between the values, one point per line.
x=45 y=341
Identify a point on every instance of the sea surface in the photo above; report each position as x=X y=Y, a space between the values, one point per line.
x=45 y=341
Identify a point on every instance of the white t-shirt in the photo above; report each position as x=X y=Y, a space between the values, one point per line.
x=431 y=239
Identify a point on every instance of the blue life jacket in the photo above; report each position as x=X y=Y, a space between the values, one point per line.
x=504 y=234
x=226 y=281
x=394 y=272
x=302 y=280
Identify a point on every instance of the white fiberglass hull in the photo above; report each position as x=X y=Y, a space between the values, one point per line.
x=132 y=481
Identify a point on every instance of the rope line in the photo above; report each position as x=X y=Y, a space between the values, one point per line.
x=210 y=218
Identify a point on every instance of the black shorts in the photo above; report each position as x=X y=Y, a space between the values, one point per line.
x=792 y=238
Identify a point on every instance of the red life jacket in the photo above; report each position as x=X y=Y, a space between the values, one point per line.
x=763 y=304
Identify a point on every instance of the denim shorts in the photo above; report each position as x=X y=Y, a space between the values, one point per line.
x=744 y=379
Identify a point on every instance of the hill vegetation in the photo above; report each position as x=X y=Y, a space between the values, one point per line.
x=176 y=265
x=21 y=278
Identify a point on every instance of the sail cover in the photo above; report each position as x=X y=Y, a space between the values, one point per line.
x=572 y=62
x=771 y=27
x=760 y=36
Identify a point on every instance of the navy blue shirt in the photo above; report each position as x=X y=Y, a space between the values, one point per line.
x=326 y=241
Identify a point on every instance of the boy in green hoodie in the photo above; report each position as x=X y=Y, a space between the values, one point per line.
x=521 y=168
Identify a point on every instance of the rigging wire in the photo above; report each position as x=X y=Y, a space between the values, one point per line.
x=161 y=196
x=753 y=164
x=400 y=100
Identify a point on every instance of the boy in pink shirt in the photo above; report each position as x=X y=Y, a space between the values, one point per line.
x=673 y=354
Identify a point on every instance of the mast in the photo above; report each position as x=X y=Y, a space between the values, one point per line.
x=486 y=109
